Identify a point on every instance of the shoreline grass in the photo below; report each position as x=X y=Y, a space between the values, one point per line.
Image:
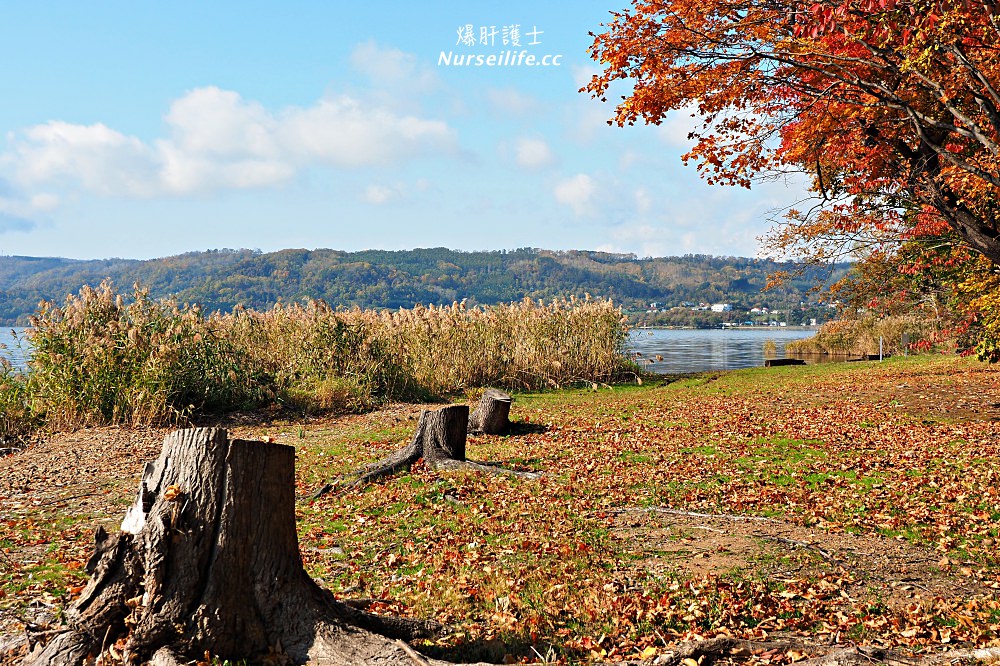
x=861 y=336
x=103 y=357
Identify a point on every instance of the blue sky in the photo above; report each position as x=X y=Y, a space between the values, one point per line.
x=150 y=129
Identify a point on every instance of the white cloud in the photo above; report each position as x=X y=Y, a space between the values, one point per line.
x=44 y=201
x=15 y=214
x=534 y=154
x=645 y=239
x=627 y=159
x=19 y=210
x=578 y=193
x=345 y=133
x=511 y=101
x=101 y=159
x=391 y=68
x=588 y=120
x=381 y=194
x=664 y=239
x=691 y=216
x=212 y=121
x=643 y=201
x=217 y=140
x=582 y=74
x=677 y=125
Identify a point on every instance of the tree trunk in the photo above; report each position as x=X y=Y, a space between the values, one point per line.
x=208 y=561
x=492 y=416
x=440 y=440
x=444 y=433
x=440 y=437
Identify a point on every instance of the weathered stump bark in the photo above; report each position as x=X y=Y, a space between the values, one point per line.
x=442 y=434
x=207 y=560
x=440 y=440
x=492 y=416
x=440 y=437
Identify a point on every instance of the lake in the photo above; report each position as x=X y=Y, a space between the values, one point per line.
x=13 y=352
x=682 y=350
x=714 y=349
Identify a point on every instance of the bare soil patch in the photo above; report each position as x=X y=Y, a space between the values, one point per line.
x=886 y=570
x=970 y=393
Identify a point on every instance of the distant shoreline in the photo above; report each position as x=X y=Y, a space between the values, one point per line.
x=727 y=328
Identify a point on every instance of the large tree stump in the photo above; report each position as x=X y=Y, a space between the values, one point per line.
x=492 y=416
x=207 y=560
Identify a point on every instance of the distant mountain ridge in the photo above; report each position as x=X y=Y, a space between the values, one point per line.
x=223 y=279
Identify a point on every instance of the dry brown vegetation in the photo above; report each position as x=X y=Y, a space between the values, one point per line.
x=860 y=336
x=104 y=357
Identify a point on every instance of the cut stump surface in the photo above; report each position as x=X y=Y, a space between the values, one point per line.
x=207 y=560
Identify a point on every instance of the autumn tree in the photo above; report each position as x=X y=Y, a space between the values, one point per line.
x=889 y=106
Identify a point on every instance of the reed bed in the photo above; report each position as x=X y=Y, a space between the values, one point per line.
x=104 y=357
x=859 y=337
x=17 y=421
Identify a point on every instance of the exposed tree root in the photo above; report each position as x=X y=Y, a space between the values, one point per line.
x=805 y=545
x=208 y=562
x=439 y=441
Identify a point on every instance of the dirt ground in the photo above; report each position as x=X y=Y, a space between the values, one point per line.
x=890 y=571
x=94 y=472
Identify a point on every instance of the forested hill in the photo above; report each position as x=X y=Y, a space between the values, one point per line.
x=221 y=279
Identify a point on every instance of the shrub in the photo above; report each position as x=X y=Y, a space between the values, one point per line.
x=17 y=421
x=99 y=359
x=861 y=336
x=105 y=358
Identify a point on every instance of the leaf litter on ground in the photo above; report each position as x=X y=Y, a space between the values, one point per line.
x=842 y=502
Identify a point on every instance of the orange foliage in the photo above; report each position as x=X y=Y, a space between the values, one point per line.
x=890 y=107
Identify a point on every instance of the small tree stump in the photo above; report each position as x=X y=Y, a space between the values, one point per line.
x=442 y=433
x=492 y=416
x=440 y=437
x=440 y=440
x=207 y=560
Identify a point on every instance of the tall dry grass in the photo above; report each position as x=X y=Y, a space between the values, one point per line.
x=17 y=420
x=103 y=357
x=858 y=337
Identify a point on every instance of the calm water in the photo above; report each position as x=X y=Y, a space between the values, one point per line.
x=13 y=352
x=699 y=350
x=682 y=351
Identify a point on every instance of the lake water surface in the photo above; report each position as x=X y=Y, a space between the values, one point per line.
x=682 y=350
x=715 y=349
x=13 y=353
